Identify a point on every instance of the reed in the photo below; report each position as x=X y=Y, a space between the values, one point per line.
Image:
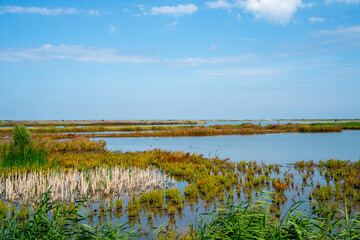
x=98 y=183
x=27 y=156
x=96 y=123
x=253 y=220
x=78 y=144
x=54 y=220
x=181 y=131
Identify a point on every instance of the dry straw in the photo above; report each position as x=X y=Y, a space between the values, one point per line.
x=98 y=183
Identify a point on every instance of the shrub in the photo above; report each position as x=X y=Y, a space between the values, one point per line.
x=21 y=136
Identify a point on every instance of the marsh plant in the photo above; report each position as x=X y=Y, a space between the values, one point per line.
x=21 y=136
x=253 y=220
x=68 y=185
x=54 y=220
x=21 y=152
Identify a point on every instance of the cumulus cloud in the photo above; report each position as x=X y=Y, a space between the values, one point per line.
x=316 y=20
x=72 y=52
x=174 y=10
x=275 y=11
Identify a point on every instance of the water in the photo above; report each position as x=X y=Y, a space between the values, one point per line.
x=284 y=148
x=263 y=122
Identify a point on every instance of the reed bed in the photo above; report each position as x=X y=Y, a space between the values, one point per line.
x=98 y=183
x=78 y=144
x=227 y=129
x=181 y=131
x=56 y=220
x=97 y=123
x=252 y=220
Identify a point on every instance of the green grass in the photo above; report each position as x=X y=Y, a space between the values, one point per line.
x=56 y=221
x=28 y=156
x=254 y=221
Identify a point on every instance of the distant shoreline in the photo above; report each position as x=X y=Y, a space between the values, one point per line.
x=170 y=121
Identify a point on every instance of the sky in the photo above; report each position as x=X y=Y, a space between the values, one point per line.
x=170 y=59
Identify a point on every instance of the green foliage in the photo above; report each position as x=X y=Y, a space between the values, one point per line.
x=55 y=221
x=21 y=153
x=29 y=156
x=21 y=136
x=254 y=221
x=174 y=194
x=153 y=198
x=133 y=207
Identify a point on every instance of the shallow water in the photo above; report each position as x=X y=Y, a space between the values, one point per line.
x=284 y=148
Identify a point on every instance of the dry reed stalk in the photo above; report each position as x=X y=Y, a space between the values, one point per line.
x=98 y=183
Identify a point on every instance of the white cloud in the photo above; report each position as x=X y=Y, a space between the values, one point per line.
x=141 y=7
x=217 y=60
x=212 y=47
x=112 y=29
x=343 y=32
x=220 y=4
x=174 y=10
x=339 y=39
x=46 y=11
x=316 y=20
x=275 y=11
x=93 y=12
x=343 y=1
x=173 y=24
x=244 y=72
x=72 y=52
x=37 y=10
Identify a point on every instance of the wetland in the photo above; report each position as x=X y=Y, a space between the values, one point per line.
x=177 y=180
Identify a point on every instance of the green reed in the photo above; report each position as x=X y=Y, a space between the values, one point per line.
x=27 y=156
x=52 y=220
x=253 y=220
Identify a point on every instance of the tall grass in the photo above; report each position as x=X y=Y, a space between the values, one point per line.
x=27 y=156
x=20 y=152
x=52 y=220
x=249 y=220
x=71 y=184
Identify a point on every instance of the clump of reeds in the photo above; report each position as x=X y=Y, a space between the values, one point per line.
x=28 y=156
x=69 y=185
x=21 y=152
x=249 y=220
x=54 y=220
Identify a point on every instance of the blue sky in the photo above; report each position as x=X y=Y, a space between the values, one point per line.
x=172 y=59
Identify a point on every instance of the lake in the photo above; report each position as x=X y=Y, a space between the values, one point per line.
x=284 y=148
